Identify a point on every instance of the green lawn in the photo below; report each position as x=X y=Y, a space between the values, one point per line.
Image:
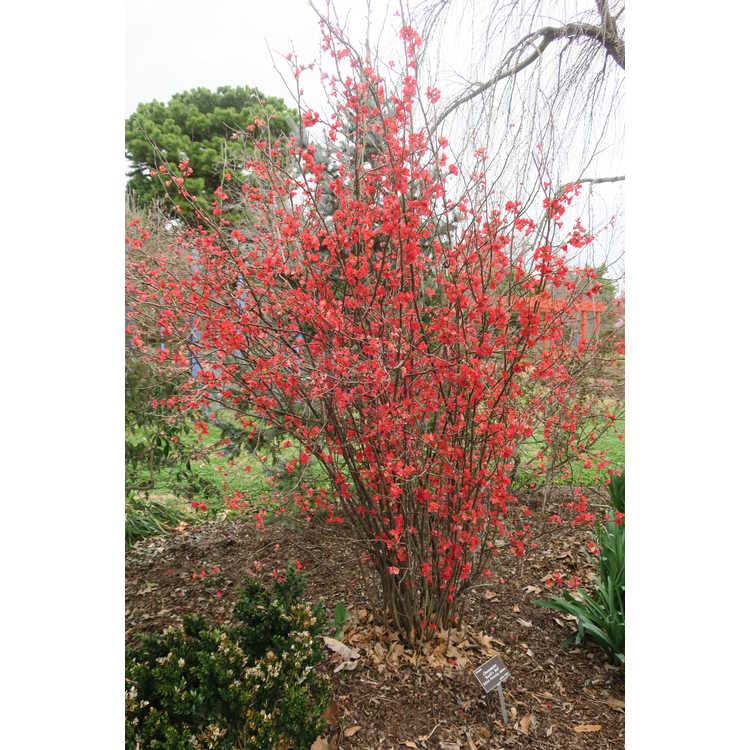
x=213 y=479
x=613 y=447
x=168 y=501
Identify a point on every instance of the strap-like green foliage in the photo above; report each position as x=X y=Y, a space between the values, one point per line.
x=252 y=685
x=601 y=616
x=147 y=517
x=617 y=491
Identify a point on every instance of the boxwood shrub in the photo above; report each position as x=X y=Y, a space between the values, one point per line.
x=250 y=685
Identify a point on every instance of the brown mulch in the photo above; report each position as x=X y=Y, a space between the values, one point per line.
x=396 y=698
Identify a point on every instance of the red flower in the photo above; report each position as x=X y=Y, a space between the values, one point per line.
x=309 y=118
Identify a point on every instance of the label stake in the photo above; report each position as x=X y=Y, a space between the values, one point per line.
x=491 y=676
x=502 y=702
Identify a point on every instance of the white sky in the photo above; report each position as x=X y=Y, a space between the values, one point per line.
x=176 y=45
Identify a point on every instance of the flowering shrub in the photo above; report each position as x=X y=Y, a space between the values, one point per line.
x=399 y=337
x=252 y=685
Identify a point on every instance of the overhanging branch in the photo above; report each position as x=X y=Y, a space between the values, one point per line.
x=597 y=180
x=605 y=35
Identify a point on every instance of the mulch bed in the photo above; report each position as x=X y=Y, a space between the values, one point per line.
x=396 y=698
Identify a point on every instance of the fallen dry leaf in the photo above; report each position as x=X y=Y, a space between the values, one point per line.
x=331 y=714
x=587 y=728
x=462 y=662
x=320 y=744
x=615 y=703
x=436 y=657
x=395 y=653
x=341 y=648
x=408 y=743
x=377 y=654
x=489 y=595
x=524 y=623
x=351 y=731
x=348 y=655
x=525 y=723
x=485 y=642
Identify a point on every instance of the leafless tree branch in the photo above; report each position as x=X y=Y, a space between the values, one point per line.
x=606 y=35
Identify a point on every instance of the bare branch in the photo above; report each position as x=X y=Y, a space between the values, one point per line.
x=605 y=35
x=597 y=180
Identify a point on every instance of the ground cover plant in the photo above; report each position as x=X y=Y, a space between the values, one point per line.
x=399 y=337
x=251 y=684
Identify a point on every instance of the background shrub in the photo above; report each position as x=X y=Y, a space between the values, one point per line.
x=250 y=685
